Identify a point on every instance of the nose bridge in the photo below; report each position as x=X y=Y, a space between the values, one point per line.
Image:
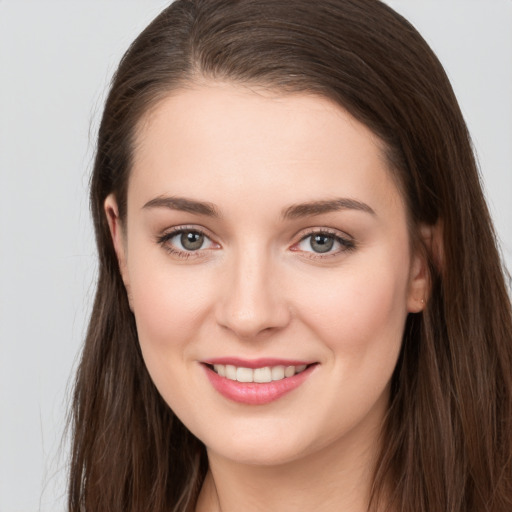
x=252 y=301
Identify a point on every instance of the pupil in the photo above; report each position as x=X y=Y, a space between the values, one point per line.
x=192 y=240
x=322 y=243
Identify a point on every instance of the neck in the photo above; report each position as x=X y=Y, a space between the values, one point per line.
x=336 y=478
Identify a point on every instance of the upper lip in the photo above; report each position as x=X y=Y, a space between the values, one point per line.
x=256 y=363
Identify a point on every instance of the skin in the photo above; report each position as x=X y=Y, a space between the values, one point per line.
x=257 y=288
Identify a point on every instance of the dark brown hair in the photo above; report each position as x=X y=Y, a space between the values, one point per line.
x=447 y=437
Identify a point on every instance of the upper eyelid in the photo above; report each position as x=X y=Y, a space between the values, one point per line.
x=324 y=230
x=175 y=230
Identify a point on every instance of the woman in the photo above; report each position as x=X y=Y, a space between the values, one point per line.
x=300 y=303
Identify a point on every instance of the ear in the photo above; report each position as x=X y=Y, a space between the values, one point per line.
x=118 y=236
x=428 y=246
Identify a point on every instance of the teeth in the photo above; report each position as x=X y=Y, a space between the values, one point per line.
x=220 y=369
x=289 y=371
x=277 y=372
x=230 y=372
x=265 y=374
x=262 y=374
x=244 y=375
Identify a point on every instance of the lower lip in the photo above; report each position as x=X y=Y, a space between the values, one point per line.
x=255 y=393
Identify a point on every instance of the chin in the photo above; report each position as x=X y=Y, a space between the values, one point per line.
x=265 y=447
x=256 y=455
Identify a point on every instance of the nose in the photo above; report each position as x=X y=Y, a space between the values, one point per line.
x=253 y=301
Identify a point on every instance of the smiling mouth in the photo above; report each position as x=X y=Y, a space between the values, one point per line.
x=256 y=382
x=259 y=375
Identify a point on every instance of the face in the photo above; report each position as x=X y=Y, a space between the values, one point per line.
x=269 y=268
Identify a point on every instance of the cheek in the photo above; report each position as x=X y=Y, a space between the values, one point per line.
x=376 y=304
x=362 y=307
x=360 y=321
x=157 y=306
x=169 y=306
x=169 y=303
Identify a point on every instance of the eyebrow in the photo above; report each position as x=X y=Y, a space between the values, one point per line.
x=320 y=207
x=294 y=211
x=183 y=204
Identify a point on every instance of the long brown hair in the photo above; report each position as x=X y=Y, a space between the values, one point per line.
x=447 y=440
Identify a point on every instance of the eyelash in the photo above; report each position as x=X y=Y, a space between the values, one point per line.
x=164 y=240
x=345 y=244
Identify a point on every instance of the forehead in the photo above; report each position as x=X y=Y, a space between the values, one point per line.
x=221 y=140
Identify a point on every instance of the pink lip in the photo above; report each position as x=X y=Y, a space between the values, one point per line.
x=253 y=393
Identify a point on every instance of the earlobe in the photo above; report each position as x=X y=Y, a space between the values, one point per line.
x=116 y=232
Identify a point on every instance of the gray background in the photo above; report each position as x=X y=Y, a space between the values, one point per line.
x=56 y=58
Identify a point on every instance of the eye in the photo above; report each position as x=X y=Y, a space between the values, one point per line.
x=189 y=240
x=184 y=241
x=324 y=243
